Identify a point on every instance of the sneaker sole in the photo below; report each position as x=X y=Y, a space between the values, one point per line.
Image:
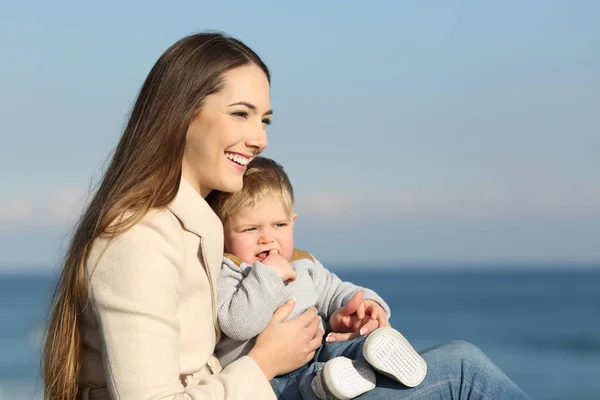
x=390 y=353
x=346 y=379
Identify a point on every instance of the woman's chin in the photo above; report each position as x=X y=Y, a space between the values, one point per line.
x=231 y=186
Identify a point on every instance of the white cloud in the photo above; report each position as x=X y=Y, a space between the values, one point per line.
x=485 y=203
x=67 y=204
x=14 y=211
x=326 y=204
x=459 y=225
x=58 y=210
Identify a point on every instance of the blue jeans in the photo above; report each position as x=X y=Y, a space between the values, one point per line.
x=296 y=384
x=455 y=371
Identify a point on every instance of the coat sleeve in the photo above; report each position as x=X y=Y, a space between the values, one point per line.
x=134 y=292
x=335 y=293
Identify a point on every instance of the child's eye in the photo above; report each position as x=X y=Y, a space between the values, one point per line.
x=241 y=114
x=266 y=121
x=281 y=225
x=249 y=229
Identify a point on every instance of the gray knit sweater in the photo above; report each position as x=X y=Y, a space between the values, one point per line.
x=248 y=295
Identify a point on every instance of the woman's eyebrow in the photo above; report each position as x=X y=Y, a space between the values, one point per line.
x=250 y=106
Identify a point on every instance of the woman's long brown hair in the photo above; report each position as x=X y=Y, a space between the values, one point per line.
x=143 y=173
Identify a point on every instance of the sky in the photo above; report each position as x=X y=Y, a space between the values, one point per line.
x=415 y=133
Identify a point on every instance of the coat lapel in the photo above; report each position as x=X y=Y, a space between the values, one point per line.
x=197 y=217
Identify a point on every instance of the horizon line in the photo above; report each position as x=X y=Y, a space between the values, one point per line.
x=384 y=266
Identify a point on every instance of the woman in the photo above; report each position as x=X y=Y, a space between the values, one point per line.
x=134 y=312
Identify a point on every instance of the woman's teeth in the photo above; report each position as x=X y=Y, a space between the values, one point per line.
x=237 y=158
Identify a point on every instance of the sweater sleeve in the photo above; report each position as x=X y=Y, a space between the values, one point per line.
x=247 y=298
x=335 y=293
x=134 y=292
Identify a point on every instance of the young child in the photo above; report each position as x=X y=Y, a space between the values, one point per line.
x=262 y=270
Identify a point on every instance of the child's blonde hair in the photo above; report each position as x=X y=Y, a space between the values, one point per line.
x=263 y=179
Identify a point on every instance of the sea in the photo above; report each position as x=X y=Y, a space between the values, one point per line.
x=541 y=326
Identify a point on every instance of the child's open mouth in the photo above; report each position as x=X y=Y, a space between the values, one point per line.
x=262 y=255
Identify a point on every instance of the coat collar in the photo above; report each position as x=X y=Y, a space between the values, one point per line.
x=194 y=212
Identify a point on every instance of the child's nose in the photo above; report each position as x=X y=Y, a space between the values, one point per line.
x=266 y=239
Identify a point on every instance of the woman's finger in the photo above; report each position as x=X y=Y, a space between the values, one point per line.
x=315 y=342
x=307 y=317
x=284 y=310
x=340 y=337
x=314 y=327
x=369 y=327
x=310 y=356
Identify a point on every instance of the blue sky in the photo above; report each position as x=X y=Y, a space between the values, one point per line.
x=415 y=133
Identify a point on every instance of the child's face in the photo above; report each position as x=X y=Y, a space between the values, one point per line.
x=252 y=232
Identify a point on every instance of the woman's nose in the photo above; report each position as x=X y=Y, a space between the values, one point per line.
x=258 y=140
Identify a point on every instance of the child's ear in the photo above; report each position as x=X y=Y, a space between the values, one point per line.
x=294 y=218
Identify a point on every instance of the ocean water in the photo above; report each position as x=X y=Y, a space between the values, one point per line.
x=542 y=327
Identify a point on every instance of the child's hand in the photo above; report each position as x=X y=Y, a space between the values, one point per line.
x=279 y=264
x=352 y=320
x=376 y=312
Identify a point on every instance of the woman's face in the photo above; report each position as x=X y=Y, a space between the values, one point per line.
x=229 y=131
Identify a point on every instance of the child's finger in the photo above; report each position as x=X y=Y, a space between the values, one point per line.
x=374 y=313
x=383 y=321
x=353 y=304
x=360 y=313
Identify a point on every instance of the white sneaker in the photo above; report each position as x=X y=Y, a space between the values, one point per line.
x=390 y=353
x=343 y=379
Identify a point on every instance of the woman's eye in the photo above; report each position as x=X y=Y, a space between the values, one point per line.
x=266 y=121
x=241 y=114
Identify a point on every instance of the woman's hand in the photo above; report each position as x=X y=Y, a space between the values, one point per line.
x=284 y=346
